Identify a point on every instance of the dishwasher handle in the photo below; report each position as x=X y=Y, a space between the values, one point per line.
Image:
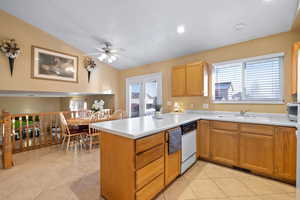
x=186 y=128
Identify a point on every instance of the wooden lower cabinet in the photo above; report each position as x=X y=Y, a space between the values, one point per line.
x=144 y=158
x=285 y=153
x=224 y=146
x=263 y=149
x=148 y=173
x=203 y=142
x=152 y=189
x=172 y=163
x=256 y=153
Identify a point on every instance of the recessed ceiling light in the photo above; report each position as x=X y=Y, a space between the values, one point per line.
x=267 y=1
x=239 y=26
x=180 y=29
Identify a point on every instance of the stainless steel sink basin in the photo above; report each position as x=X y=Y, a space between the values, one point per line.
x=158 y=118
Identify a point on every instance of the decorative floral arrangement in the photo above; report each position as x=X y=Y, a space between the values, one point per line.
x=98 y=105
x=11 y=50
x=89 y=65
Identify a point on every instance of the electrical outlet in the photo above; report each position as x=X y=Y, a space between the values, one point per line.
x=205 y=106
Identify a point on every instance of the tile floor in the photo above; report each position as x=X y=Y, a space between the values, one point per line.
x=50 y=173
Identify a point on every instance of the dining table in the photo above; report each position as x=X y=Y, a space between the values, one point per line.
x=84 y=121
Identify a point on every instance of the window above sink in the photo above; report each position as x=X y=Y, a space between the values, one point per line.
x=252 y=80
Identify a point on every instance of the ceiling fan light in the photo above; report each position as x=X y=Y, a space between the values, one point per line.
x=100 y=58
x=113 y=58
x=104 y=56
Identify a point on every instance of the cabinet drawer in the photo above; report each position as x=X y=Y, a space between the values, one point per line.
x=257 y=129
x=149 y=172
x=151 y=190
x=148 y=156
x=146 y=143
x=225 y=125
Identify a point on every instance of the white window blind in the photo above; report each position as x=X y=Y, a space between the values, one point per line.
x=229 y=82
x=253 y=80
x=263 y=79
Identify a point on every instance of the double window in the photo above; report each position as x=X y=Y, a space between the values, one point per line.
x=77 y=105
x=253 y=80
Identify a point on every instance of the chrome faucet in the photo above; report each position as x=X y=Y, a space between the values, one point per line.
x=243 y=112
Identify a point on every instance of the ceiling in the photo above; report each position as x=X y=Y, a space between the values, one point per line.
x=147 y=29
x=11 y=93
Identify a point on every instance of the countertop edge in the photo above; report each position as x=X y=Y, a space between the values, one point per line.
x=147 y=133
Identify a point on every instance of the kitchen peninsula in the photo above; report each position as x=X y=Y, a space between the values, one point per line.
x=135 y=151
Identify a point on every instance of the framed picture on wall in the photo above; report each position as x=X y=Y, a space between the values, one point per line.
x=54 y=65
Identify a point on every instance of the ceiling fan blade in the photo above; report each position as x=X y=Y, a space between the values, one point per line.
x=113 y=50
x=120 y=49
x=100 y=49
x=94 y=54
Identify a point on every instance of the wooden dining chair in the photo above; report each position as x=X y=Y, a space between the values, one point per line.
x=119 y=114
x=93 y=135
x=72 y=135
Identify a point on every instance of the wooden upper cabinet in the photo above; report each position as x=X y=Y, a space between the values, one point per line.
x=190 y=80
x=203 y=147
x=295 y=64
x=285 y=153
x=178 y=81
x=194 y=79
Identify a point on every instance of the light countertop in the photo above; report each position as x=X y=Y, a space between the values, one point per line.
x=135 y=128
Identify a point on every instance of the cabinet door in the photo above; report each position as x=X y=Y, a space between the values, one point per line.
x=295 y=65
x=256 y=152
x=224 y=146
x=178 y=81
x=172 y=164
x=203 y=139
x=194 y=79
x=285 y=153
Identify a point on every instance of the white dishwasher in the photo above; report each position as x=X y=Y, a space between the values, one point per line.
x=188 y=151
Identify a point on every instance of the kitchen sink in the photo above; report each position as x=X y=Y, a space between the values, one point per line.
x=158 y=118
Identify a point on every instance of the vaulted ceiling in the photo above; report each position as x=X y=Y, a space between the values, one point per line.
x=147 y=29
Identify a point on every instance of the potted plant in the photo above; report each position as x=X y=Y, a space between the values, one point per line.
x=89 y=65
x=11 y=50
x=97 y=106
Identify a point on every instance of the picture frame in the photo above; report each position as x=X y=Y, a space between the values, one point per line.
x=53 y=65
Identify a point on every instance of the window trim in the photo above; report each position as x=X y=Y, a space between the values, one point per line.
x=243 y=61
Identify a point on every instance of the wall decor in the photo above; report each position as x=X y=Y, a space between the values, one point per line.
x=11 y=50
x=54 y=65
x=89 y=65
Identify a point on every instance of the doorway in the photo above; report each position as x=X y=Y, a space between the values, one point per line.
x=143 y=93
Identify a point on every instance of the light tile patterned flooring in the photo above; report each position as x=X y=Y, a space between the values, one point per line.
x=53 y=174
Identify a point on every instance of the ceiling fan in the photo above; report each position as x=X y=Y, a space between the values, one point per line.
x=107 y=53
